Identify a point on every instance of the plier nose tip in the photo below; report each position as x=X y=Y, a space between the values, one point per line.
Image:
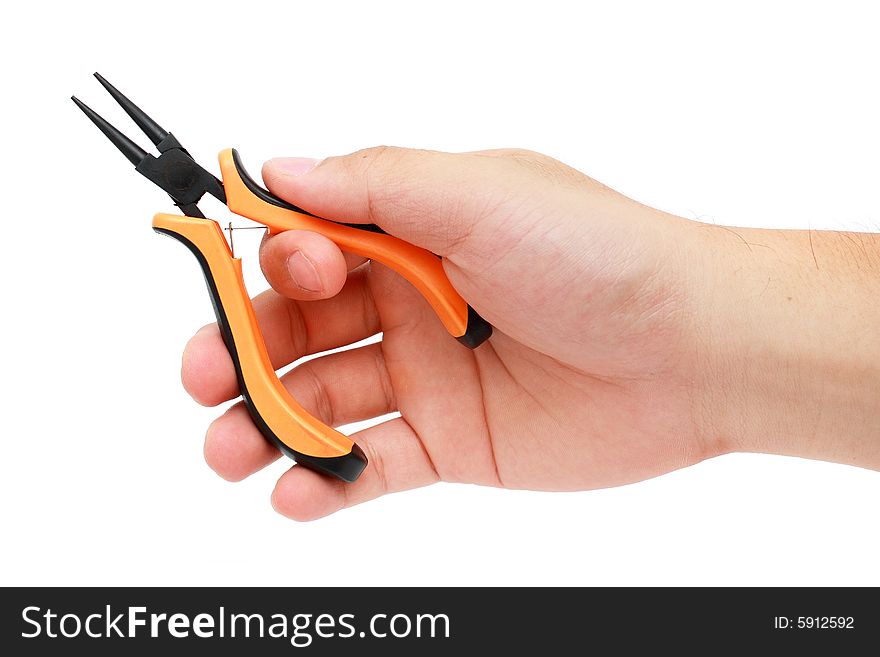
x=126 y=146
x=148 y=126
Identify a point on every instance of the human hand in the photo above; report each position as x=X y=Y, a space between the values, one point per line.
x=616 y=352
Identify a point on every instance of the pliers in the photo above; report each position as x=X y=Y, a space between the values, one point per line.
x=278 y=416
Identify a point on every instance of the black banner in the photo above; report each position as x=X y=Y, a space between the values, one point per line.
x=436 y=621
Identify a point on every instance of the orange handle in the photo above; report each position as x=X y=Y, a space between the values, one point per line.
x=275 y=412
x=420 y=267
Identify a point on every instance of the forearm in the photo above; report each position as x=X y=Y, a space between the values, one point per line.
x=791 y=342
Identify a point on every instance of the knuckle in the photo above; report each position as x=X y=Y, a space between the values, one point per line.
x=318 y=393
x=297 y=329
x=545 y=166
x=374 y=457
x=376 y=160
x=391 y=181
x=388 y=397
x=524 y=154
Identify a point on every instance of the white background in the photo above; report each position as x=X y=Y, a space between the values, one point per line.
x=761 y=114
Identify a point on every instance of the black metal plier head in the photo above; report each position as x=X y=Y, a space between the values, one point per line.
x=175 y=171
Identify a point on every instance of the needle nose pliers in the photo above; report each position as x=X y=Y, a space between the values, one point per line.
x=279 y=417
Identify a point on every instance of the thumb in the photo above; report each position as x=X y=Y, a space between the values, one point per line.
x=547 y=255
x=439 y=201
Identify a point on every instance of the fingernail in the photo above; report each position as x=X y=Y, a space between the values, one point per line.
x=303 y=272
x=293 y=166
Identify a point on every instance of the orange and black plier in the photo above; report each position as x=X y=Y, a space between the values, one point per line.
x=279 y=417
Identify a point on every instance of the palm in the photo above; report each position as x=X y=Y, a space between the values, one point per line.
x=509 y=415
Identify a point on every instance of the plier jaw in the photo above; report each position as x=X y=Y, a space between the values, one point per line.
x=174 y=170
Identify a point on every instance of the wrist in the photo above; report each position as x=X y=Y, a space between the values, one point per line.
x=791 y=335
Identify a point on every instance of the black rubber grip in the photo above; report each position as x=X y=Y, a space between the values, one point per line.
x=477 y=332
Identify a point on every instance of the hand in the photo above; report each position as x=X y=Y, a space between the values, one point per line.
x=628 y=342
